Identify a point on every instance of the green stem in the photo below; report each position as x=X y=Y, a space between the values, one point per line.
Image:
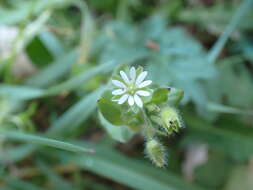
x=148 y=127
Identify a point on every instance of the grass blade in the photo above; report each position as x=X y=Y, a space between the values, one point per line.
x=54 y=71
x=16 y=154
x=14 y=183
x=80 y=79
x=26 y=93
x=216 y=49
x=227 y=109
x=20 y=92
x=132 y=173
x=43 y=141
x=52 y=43
x=87 y=31
x=77 y=114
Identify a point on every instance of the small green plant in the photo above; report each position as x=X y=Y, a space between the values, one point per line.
x=143 y=107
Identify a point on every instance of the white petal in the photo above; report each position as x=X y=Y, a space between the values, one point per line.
x=138 y=100
x=141 y=77
x=124 y=77
x=118 y=83
x=114 y=100
x=131 y=100
x=144 y=84
x=123 y=99
x=143 y=93
x=132 y=73
x=118 y=92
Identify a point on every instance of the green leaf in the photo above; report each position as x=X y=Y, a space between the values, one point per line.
x=160 y=95
x=109 y=109
x=171 y=95
x=118 y=133
x=16 y=136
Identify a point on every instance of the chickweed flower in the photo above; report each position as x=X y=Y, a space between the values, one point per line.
x=149 y=110
x=131 y=88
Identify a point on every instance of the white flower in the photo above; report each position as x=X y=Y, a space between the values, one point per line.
x=131 y=87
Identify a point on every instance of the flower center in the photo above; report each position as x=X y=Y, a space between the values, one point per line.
x=131 y=89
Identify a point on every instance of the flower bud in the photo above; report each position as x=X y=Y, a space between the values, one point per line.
x=171 y=120
x=156 y=152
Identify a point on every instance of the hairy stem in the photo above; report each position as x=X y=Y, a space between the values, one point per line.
x=148 y=128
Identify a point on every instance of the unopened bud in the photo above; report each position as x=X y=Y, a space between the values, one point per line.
x=171 y=120
x=156 y=152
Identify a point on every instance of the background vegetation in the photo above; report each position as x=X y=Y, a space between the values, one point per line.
x=56 y=56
